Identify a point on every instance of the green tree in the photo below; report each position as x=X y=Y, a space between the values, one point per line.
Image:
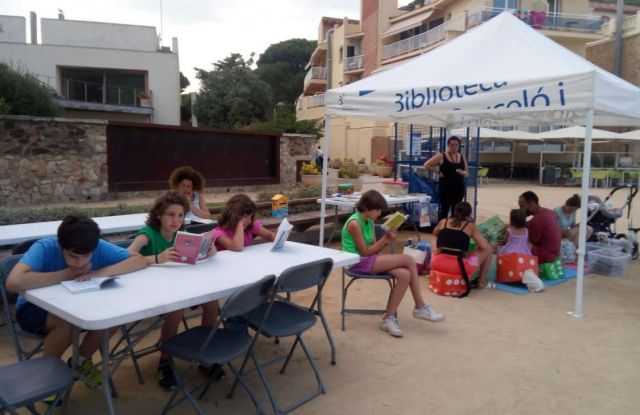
x=184 y=82
x=285 y=122
x=23 y=94
x=4 y=107
x=282 y=67
x=232 y=95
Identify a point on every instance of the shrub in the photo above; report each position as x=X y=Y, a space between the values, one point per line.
x=309 y=168
x=348 y=160
x=344 y=173
x=24 y=94
x=362 y=161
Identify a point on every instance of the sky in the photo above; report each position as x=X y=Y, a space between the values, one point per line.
x=207 y=30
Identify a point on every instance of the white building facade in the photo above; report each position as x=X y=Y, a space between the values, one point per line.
x=98 y=70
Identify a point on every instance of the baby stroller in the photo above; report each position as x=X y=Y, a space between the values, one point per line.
x=602 y=218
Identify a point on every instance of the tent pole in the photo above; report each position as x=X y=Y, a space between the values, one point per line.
x=396 y=161
x=584 y=202
x=325 y=172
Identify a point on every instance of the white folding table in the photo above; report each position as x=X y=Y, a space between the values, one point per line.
x=15 y=234
x=160 y=289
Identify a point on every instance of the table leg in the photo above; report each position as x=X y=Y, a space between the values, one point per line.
x=106 y=376
x=335 y=223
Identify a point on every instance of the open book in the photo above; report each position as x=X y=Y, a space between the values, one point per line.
x=192 y=246
x=394 y=221
x=94 y=284
x=282 y=234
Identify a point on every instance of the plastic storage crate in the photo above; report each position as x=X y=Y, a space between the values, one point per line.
x=609 y=262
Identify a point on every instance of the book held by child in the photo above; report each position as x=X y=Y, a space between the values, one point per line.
x=394 y=221
x=192 y=247
x=282 y=234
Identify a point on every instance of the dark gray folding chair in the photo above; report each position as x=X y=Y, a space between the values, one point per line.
x=24 y=383
x=23 y=247
x=16 y=334
x=354 y=276
x=283 y=318
x=207 y=346
x=199 y=227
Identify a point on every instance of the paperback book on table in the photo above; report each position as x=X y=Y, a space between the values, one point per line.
x=192 y=247
x=94 y=284
x=284 y=230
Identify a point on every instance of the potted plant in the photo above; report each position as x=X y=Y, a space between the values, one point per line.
x=310 y=175
x=362 y=166
x=350 y=176
x=144 y=99
x=348 y=164
x=385 y=167
x=336 y=163
x=375 y=167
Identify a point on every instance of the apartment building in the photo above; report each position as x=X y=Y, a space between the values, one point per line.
x=387 y=35
x=97 y=70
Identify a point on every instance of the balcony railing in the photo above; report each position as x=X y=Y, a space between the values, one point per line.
x=542 y=20
x=316 y=72
x=353 y=62
x=305 y=102
x=423 y=40
x=87 y=91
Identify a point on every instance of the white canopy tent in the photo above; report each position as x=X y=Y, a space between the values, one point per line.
x=500 y=70
x=579 y=132
x=631 y=135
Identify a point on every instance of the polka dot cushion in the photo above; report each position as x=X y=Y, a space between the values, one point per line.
x=512 y=266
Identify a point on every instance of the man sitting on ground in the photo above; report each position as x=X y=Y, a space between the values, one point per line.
x=544 y=229
x=77 y=251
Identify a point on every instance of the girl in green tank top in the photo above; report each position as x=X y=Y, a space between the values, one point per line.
x=155 y=242
x=358 y=236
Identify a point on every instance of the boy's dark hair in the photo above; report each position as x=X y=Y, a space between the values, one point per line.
x=461 y=212
x=529 y=196
x=517 y=218
x=161 y=204
x=371 y=200
x=78 y=234
x=188 y=173
x=573 y=201
x=235 y=208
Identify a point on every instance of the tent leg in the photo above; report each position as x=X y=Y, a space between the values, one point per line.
x=325 y=171
x=584 y=201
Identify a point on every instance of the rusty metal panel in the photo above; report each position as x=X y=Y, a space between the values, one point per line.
x=142 y=156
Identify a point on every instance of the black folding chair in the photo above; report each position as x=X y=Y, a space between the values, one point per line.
x=16 y=334
x=199 y=227
x=23 y=247
x=354 y=276
x=283 y=319
x=25 y=383
x=207 y=346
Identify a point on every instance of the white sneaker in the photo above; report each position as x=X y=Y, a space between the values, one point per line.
x=426 y=312
x=534 y=284
x=391 y=326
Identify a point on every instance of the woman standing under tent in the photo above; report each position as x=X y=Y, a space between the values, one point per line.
x=453 y=169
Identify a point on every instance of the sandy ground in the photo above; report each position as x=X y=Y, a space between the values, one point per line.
x=496 y=353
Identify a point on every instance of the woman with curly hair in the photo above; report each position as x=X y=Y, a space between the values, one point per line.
x=189 y=182
x=237 y=225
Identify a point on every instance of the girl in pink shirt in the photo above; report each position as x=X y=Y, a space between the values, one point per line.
x=237 y=225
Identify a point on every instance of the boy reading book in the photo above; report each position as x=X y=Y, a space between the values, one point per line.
x=77 y=253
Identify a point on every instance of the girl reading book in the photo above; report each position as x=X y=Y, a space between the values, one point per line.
x=237 y=225
x=155 y=242
x=358 y=236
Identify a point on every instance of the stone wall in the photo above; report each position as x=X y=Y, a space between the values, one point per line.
x=52 y=160
x=57 y=160
x=293 y=148
x=602 y=53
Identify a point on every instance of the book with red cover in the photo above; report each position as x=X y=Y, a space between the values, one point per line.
x=192 y=247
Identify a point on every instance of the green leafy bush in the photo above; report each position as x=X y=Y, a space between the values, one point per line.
x=344 y=173
x=24 y=94
x=309 y=168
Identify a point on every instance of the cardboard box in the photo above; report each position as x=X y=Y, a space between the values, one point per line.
x=279 y=206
